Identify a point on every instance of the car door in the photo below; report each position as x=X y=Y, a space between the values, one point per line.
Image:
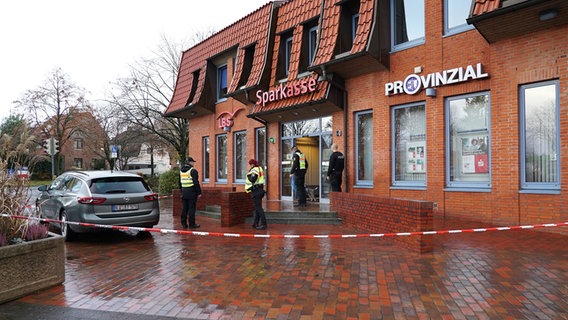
x=48 y=202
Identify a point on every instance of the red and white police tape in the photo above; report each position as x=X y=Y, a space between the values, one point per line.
x=317 y=236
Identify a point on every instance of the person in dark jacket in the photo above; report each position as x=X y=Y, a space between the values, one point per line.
x=335 y=169
x=254 y=185
x=298 y=173
x=190 y=191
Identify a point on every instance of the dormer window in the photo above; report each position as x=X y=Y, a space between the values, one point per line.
x=347 y=26
x=221 y=82
x=284 y=55
x=309 y=45
x=407 y=23
x=354 y=24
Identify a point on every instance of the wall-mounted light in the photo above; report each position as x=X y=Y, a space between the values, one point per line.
x=338 y=133
x=548 y=14
x=431 y=92
x=295 y=113
x=227 y=129
x=192 y=113
x=314 y=110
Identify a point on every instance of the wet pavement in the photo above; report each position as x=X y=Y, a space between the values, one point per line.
x=520 y=274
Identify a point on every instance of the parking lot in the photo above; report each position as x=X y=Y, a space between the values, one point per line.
x=519 y=274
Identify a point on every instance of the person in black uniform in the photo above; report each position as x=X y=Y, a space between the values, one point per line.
x=298 y=173
x=335 y=169
x=190 y=191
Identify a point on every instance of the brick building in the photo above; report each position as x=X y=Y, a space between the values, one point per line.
x=462 y=103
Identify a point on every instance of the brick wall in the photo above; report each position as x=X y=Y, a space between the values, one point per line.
x=375 y=214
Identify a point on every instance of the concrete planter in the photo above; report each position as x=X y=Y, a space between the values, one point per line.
x=31 y=266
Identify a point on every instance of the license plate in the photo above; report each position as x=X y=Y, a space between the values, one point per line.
x=124 y=207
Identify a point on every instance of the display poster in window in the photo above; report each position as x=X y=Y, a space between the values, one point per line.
x=474 y=154
x=416 y=156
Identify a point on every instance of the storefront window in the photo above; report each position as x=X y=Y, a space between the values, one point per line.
x=240 y=145
x=540 y=165
x=455 y=15
x=468 y=141
x=222 y=158
x=407 y=23
x=205 y=168
x=409 y=139
x=364 y=148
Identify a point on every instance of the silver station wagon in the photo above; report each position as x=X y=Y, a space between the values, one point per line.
x=98 y=197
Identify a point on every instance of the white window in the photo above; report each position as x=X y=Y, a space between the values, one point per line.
x=260 y=142
x=408 y=25
x=364 y=148
x=468 y=142
x=222 y=158
x=409 y=141
x=287 y=55
x=455 y=14
x=205 y=168
x=240 y=152
x=540 y=140
x=312 y=44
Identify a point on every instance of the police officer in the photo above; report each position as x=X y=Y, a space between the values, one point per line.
x=335 y=169
x=190 y=191
x=254 y=185
x=298 y=173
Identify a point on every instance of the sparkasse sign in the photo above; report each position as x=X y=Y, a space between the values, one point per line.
x=284 y=91
x=414 y=83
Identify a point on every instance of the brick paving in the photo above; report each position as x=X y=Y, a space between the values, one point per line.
x=521 y=274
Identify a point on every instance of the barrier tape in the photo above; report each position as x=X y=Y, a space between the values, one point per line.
x=252 y=235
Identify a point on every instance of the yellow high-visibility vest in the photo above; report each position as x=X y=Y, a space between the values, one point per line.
x=260 y=180
x=186 y=179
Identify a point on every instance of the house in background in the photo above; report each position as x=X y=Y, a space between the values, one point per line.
x=147 y=157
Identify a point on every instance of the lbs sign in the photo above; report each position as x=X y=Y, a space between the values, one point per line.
x=414 y=83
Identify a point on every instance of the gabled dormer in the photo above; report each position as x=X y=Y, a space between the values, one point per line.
x=354 y=38
x=230 y=63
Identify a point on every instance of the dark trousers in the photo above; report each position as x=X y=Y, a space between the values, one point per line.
x=189 y=205
x=259 y=215
x=335 y=181
x=300 y=184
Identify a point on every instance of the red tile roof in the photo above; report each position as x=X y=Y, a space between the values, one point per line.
x=485 y=6
x=250 y=30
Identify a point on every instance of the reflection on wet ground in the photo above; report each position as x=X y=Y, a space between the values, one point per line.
x=487 y=275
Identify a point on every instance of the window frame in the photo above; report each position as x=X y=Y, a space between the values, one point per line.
x=448 y=31
x=222 y=72
x=364 y=183
x=236 y=136
x=206 y=158
x=354 y=26
x=408 y=43
x=410 y=184
x=260 y=145
x=469 y=186
x=312 y=44
x=539 y=187
x=219 y=160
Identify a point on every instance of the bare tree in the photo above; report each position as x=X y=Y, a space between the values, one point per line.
x=145 y=94
x=52 y=107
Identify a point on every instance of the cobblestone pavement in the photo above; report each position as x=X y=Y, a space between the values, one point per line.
x=521 y=274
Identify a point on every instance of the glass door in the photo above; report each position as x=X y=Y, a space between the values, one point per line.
x=285 y=166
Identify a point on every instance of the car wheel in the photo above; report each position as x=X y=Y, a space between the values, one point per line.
x=66 y=231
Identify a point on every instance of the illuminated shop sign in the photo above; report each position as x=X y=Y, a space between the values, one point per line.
x=285 y=91
x=414 y=83
x=225 y=118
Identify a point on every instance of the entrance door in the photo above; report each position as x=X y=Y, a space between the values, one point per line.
x=313 y=138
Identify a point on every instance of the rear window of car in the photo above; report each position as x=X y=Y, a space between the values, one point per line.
x=119 y=185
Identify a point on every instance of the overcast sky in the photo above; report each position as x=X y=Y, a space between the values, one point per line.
x=94 y=41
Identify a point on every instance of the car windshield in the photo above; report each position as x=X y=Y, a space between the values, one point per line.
x=119 y=185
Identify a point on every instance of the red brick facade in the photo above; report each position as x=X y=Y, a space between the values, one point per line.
x=510 y=61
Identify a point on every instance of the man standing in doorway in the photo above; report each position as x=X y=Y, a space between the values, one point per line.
x=335 y=169
x=190 y=191
x=298 y=174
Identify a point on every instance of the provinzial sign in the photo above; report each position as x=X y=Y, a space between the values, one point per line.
x=284 y=91
x=415 y=83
